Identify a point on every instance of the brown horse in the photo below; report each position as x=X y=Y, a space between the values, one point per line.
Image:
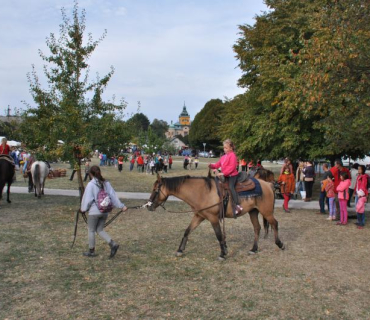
x=201 y=195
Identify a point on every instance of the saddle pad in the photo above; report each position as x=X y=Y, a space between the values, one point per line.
x=256 y=192
x=7 y=158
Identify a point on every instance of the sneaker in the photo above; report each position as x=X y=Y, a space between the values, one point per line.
x=90 y=254
x=360 y=227
x=339 y=223
x=329 y=218
x=113 y=249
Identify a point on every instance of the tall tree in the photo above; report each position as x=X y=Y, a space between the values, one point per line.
x=159 y=128
x=206 y=125
x=305 y=70
x=63 y=110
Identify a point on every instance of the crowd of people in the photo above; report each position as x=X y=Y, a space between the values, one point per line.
x=148 y=163
x=338 y=187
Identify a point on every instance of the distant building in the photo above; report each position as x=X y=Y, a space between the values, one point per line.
x=177 y=143
x=182 y=127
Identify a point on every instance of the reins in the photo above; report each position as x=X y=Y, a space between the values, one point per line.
x=191 y=211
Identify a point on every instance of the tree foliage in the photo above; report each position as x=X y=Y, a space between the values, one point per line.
x=305 y=69
x=67 y=109
x=206 y=124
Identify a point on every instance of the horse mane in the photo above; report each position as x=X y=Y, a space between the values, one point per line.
x=173 y=183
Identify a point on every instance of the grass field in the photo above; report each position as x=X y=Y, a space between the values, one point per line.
x=321 y=275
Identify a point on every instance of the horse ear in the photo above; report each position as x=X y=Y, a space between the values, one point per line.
x=159 y=178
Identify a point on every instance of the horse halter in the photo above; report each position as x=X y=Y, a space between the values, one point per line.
x=155 y=195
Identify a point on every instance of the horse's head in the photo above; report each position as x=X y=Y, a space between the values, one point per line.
x=158 y=196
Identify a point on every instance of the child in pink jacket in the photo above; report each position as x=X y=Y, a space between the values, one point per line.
x=343 y=196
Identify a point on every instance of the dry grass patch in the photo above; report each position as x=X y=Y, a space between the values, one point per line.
x=322 y=274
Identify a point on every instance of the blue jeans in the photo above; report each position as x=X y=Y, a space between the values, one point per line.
x=361 y=219
x=322 y=201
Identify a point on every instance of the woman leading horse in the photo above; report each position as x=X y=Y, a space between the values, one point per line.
x=200 y=193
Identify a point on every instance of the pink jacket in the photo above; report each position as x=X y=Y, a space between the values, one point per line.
x=343 y=189
x=329 y=188
x=227 y=164
x=361 y=183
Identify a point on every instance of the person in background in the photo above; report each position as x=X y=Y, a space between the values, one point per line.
x=87 y=169
x=324 y=180
x=120 y=163
x=243 y=164
x=196 y=162
x=227 y=163
x=4 y=147
x=309 y=176
x=191 y=161
x=287 y=186
x=343 y=195
x=132 y=162
x=361 y=188
x=299 y=178
x=287 y=164
x=30 y=160
x=336 y=170
x=186 y=162
x=250 y=164
x=259 y=164
x=353 y=172
x=330 y=194
x=170 y=162
x=140 y=163
x=165 y=164
x=96 y=219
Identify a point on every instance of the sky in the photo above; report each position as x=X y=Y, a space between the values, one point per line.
x=165 y=52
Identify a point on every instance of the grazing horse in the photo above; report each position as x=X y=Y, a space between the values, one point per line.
x=7 y=171
x=200 y=193
x=39 y=172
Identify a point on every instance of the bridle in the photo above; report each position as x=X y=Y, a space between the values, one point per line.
x=155 y=195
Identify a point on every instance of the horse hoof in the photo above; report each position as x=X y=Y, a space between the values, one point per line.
x=179 y=254
x=283 y=247
x=250 y=252
x=8 y=201
x=221 y=258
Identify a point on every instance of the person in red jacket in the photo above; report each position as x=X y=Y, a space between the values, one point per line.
x=336 y=171
x=228 y=163
x=140 y=163
x=4 y=147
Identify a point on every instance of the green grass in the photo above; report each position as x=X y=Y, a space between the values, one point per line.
x=322 y=274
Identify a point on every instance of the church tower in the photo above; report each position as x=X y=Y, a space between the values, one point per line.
x=184 y=117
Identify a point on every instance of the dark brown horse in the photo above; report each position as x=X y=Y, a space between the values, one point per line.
x=6 y=176
x=201 y=195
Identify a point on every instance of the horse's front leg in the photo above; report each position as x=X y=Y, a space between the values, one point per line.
x=195 y=222
x=217 y=228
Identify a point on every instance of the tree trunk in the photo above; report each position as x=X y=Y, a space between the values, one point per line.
x=81 y=187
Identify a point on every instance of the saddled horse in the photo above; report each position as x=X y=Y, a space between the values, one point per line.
x=39 y=172
x=200 y=193
x=7 y=170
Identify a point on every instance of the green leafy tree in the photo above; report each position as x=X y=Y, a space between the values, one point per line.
x=138 y=122
x=63 y=110
x=159 y=128
x=305 y=69
x=206 y=125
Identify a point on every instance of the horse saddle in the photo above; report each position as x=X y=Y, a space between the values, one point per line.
x=240 y=186
x=7 y=158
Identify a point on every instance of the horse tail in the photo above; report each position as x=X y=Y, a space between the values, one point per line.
x=36 y=179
